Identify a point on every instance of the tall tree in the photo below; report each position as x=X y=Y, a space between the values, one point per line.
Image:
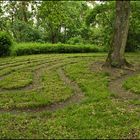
x=51 y=18
x=116 y=54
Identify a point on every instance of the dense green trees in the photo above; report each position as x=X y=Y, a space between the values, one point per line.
x=61 y=20
x=54 y=21
x=73 y=22
x=103 y=15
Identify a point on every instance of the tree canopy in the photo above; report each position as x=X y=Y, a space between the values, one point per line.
x=73 y=22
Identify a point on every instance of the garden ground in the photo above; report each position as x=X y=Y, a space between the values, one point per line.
x=68 y=96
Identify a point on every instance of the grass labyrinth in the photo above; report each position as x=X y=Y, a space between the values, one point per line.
x=59 y=96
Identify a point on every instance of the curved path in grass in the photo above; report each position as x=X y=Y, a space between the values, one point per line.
x=76 y=97
x=115 y=86
x=117 y=79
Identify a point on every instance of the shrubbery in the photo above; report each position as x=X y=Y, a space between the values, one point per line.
x=23 y=32
x=5 y=44
x=76 y=40
x=40 y=48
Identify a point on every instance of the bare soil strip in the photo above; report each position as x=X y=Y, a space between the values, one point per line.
x=115 y=86
x=77 y=96
x=37 y=73
x=117 y=77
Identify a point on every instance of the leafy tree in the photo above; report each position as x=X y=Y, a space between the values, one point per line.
x=23 y=32
x=61 y=20
x=51 y=18
x=102 y=17
x=66 y=22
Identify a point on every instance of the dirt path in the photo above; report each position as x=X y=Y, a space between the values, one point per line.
x=38 y=71
x=76 y=98
x=117 y=77
x=78 y=95
x=115 y=86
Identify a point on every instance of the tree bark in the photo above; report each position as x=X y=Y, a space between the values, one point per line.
x=117 y=49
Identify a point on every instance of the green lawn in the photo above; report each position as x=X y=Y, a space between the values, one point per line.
x=133 y=84
x=38 y=99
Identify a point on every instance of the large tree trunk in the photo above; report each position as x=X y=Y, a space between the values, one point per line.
x=116 y=54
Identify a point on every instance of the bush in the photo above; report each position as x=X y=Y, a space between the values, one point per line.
x=76 y=40
x=5 y=44
x=133 y=42
x=42 y=48
x=23 y=32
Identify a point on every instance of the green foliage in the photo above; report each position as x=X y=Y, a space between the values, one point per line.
x=40 y=48
x=32 y=83
x=25 y=33
x=16 y=80
x=61 y=20
x=102 y=16
x=133 y=42
x=76 y=40
x=133 y=84
x=5 y=44
x=73 y=22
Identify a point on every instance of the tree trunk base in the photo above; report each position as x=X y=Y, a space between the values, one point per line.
x=123 y=64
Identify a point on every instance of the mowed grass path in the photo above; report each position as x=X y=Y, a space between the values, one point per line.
x=59 y=96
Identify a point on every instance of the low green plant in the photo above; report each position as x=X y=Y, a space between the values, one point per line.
x=76 y=40
x=5 y=44
x=133 y=84
x=17 y=80
x=43 y=48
